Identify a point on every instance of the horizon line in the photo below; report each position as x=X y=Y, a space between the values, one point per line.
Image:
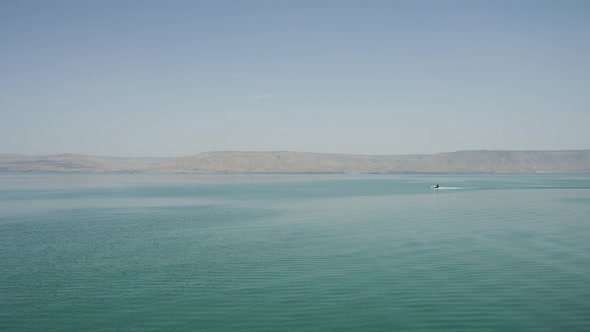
x=286 y=151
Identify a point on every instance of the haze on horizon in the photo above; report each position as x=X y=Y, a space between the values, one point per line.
x=174 y=78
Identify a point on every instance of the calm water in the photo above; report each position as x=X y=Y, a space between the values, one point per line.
x=294 y=253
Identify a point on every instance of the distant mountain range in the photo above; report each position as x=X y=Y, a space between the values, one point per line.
x=574 y=161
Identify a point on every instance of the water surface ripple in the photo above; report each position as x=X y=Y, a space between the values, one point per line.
x=299 y=253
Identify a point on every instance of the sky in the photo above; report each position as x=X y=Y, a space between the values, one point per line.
x=166 y=78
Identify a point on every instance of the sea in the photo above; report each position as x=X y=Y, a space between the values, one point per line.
x=280 y=252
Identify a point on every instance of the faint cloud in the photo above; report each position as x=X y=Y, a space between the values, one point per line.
x=4 y=97
x=262 y=97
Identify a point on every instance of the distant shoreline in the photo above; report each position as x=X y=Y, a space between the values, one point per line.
x=284 y=162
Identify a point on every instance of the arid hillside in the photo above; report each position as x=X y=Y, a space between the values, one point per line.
x=577 y=161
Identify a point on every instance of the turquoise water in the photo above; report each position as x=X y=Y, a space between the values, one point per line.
x=294 y=253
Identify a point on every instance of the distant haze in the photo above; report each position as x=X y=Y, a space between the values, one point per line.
x=305 y=162
x=171 y=78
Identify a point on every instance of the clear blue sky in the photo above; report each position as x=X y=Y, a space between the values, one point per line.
x=174 y=78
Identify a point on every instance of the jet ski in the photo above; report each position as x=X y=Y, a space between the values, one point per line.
x=435 y=186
